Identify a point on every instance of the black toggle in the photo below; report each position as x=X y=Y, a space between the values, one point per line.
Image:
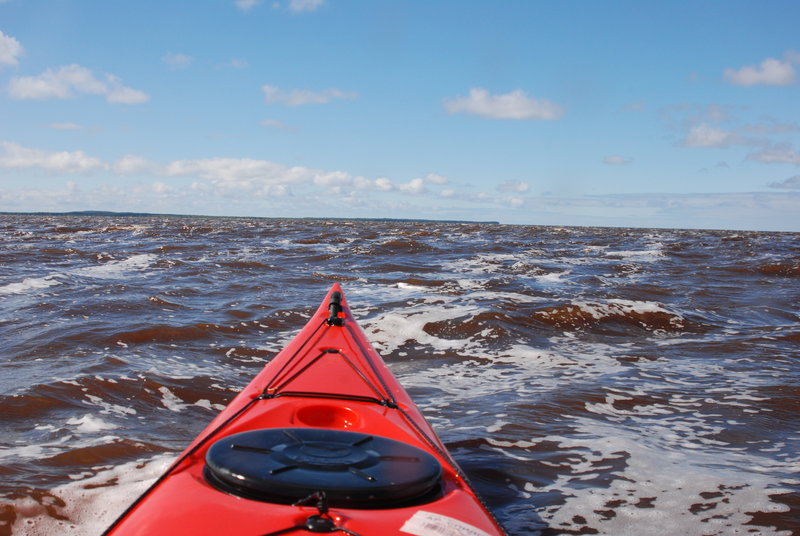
x=334 y=308
x=320 y=524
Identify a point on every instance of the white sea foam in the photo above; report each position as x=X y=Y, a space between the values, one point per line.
x=408 y=286
x=90 y=504
x=171 y=401
x=21 y=452
x=29 y=285
x=481 y=264
x=89 y=424
x=113 y=269
x=659 y=492
x=117 y=268
x=137 y=229
x=553 y=277
x=616 y=306
x=661 y=466
x=652 y=254
x=108 y=408
x=619 y=307
x=65 y=440
x=203 y=403
x=390 y=331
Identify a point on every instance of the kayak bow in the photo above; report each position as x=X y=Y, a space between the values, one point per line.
x=324 y=439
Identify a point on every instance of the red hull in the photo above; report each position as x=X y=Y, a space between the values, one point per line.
x=328 y=379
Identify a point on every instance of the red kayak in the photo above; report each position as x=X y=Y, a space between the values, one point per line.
x=324 y=439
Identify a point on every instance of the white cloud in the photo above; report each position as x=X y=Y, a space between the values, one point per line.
x=58 y=84
x=162 y=188
x=334 y=179
x=777 y=154
x=435 y=178
x=716 y=126
x=616 y=160
x=124 y=95
x=414 y=186
x=246 y=5
x=274 y=123
x=10 y=50
x=515 y=105
x=301 y=97
x=130 y=164
x=704 y=135
x=265 y=178
x=299 y=6
x=242 y=171
x=792 y=183
x=15 y=156
x=177 y=60
x=238 y=63
x=519 y=187
x=384 y=184
x=66 y=81
x=771 y=72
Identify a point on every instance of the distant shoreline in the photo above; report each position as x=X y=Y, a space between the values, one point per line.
x=106 y=213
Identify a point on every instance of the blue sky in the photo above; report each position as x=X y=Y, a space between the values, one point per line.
x=672 y=114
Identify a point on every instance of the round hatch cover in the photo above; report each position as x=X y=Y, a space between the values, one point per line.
x=353 y=469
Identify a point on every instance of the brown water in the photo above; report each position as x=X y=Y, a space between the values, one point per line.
x=590 y=381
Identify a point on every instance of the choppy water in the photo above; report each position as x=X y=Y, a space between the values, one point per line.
x=590 y=381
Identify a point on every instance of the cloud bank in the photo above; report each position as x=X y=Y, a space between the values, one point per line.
x=260 y=187
x=223 y=175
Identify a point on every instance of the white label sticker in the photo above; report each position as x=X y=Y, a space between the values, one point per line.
x=429 y=524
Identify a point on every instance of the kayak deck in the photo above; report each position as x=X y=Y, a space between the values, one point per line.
x=323 y=439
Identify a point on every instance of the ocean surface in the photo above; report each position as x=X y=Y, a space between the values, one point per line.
x=588 y=380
